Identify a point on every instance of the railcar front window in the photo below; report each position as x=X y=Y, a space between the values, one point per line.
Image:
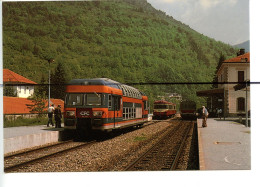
x=160 y=107
x=93 y=99
x=74 y=99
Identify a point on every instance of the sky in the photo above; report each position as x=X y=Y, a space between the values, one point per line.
x=223 y=20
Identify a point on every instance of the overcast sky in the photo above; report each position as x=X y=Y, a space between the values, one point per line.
x=223 y=20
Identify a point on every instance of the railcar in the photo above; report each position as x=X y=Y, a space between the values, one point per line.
x=163 y=110
x=188 y=110
x=103 y=104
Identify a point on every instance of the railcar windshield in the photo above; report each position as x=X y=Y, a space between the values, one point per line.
x=161 y=107
x=93 y=99
x=74 y=99
x=188 y=105
x=77 y=99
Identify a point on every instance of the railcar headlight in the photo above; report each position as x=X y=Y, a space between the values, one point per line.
x=70 y=113
x=97 y=114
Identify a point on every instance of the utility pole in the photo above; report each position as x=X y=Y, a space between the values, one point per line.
x=49 y=98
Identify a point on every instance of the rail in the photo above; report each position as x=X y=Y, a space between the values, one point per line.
x=13 y=162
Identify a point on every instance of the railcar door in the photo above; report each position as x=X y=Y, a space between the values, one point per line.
x=116 y=106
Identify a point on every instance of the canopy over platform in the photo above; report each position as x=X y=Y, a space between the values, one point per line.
x=210 y=92
x=242 y=86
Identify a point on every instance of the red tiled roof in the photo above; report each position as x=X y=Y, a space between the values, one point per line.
x=15 y=105
x=12 y=77
x=240 y=59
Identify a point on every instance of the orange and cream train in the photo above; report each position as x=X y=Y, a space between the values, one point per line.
x=102 y=104
x=163 y=109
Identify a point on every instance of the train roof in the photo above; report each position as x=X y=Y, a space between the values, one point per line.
x=96 y=81
x=163 y=102
x=128 y=91
x=187 y=101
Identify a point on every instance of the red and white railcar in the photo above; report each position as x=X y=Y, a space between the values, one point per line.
x=163 y=110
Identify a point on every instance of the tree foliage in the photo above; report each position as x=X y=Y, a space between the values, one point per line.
x=38 y=104
x=58 y=83
x=9 y=91
x=125 y=40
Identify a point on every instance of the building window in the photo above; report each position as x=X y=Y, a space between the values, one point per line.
x=241 y=104
x=31 y=90
x=241 y=76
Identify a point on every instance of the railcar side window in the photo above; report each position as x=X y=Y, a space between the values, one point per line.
x=129 y=110
x=117 y=103
x=74 y=99
x=109 y=101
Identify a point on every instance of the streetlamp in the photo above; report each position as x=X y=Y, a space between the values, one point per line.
x=50 y=61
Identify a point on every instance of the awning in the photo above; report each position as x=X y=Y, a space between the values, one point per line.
x=242 y=86
x=211 y=92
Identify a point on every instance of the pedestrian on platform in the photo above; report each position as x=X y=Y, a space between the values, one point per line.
x=57 y=116
x=219 y=113
x=50 y=114
x=204 y=116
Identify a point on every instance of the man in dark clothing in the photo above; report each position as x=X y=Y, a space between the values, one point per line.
x=57 y=116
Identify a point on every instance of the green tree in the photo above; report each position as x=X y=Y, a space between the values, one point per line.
x=9 y=91
x=215 y=78
x=58 y=82
x=38 y=104
x=42 y=88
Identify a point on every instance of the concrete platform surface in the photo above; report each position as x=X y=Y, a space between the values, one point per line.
x=17 y=138
x=224 y=145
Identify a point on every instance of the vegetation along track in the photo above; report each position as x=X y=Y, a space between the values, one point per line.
x=165 y=154
x=16 y=161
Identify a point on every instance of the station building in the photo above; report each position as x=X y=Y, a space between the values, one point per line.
x=17 y=105
x=232 y=94
x=21 y=86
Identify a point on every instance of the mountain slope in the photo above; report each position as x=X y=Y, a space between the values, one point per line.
x=128 y=41
x=245 y=45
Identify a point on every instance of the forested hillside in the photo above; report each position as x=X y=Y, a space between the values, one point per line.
x=128 y=41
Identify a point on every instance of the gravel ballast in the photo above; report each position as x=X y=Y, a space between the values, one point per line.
x=110 y=155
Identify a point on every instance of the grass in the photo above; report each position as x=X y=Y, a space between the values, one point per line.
x=140 y=138
x=25 y=122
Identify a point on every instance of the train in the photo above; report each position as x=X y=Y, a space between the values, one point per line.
x=163 y=109
x=103 y=105
x=188 y=110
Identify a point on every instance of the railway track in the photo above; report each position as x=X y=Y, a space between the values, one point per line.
x=23 y=160
x=16 y=161
x=165 y=154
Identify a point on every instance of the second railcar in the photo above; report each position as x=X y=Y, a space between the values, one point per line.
x=188 y=110
x=103 y=105
x=163 y=110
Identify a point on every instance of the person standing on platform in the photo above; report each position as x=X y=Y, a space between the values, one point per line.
x=204 y=116
x=50 y=114
x=220 y=113
x=57 y=115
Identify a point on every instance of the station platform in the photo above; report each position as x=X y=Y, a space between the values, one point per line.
x=224 y=145
x=17 y=138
